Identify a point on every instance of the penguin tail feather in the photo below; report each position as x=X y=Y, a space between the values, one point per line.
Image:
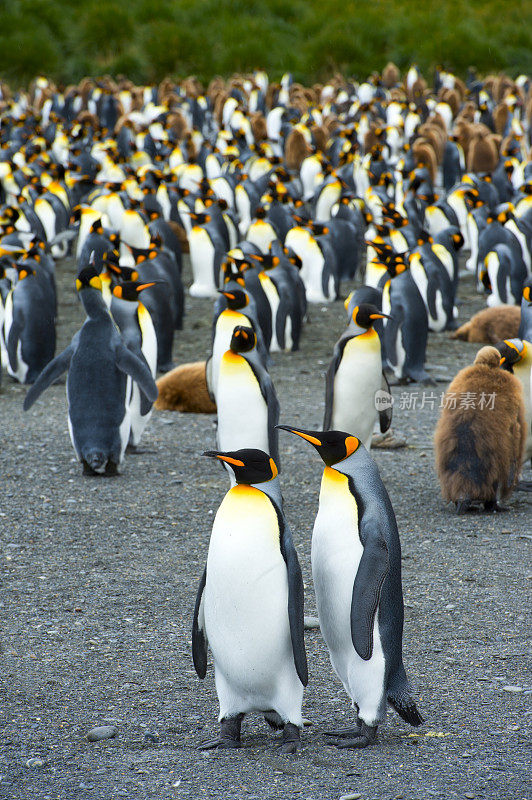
x=406 y=707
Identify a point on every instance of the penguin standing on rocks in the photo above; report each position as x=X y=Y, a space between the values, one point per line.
x=525 y=326
x=99 y=365
x=249 y=606
x=516 y=357
x=479 y=445
x=356 y=567
x=355 y=376
x=248 y=408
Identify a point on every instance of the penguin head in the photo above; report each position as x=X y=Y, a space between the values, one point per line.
x=129 y=290
x=511 y=352
x=88 y=278
x=236 y=298
x=333 y=446
x=365 y=315
x=527 y=291
x=243 y=339
x=249 y=466
x=23 y=270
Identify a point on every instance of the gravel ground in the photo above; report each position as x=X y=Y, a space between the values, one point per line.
x=100 y=577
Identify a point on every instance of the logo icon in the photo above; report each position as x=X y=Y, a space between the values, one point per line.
x=383 y=400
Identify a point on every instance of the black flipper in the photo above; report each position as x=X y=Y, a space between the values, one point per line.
x=199 y=639
x=50 y=373
x=329 y=380
x=372 y=570
x=385 y=416
x=128 y=362
x=295 y=600
x=17 y=326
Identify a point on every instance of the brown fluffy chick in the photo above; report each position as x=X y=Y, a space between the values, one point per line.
x=479 y=449
x=491 y=325
x=185 y=389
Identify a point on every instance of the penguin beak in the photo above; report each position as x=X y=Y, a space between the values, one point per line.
x=213 y=454
x=380 y=316
x=501 y=362
x=146 y=285
x=304 y=435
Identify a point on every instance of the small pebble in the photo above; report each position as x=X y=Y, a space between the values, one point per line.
x=512 y=689
x=354 y=796
x=102 y=732
x=34 y=762
x=311 y=622
x=151 y=737
x=470 y=796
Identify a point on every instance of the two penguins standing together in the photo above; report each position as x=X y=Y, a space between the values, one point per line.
x=249 y=606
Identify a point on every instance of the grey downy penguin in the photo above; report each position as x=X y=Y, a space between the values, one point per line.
x=99 y=366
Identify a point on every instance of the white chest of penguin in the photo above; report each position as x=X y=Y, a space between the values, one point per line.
x=357 y=378
x=242 y=410
x=336 y=554
x=225 y=325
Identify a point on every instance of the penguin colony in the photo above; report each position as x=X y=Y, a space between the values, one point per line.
x=283 y=196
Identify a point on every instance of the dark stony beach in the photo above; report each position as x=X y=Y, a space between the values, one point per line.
x=100 y=577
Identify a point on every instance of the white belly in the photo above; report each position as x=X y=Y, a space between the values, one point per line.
x=21 y=369
x=357 y=378
x=246 y=609
x=336 y=554
x=242 y=410
x=273 y=299
x=202 y=261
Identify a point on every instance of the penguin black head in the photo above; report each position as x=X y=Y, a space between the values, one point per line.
x=249 y=466
x=129 y=290
x=512 y=351
x=88 y=278
x=236 y=298
x=200 y=219
x=527 y=291
x=333 y=446
x=266 y=261
x=365 y=315
x=243 y=339
x=23 y=270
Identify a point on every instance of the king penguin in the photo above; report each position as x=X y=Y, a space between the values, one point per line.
x=248 y=408
x=355 y=376
x=249 y=606
x=98 y=364
x=138 y=333
x=356 y=568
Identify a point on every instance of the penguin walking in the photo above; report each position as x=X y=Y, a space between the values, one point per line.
x=249 y=606
x=99 y=365
x=355 y=376
x=479 y=446
x=248 y=408
x=356 y=568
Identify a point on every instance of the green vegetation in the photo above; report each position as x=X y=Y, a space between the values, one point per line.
x=148 y=39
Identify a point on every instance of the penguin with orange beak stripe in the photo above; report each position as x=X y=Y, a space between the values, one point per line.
x=249 y=606
x=356 y=568
x=138 y=332
x=248 y=408
x=355 y=376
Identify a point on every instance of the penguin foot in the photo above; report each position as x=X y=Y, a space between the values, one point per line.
x=88 y=470
x=111 y=469
x=135 y=450
x=345 y=733
x=491 y=506
x=367 y=735
x=524 y=486
x=229 y=735
x=291 y=739
x=274 y=720
x=463 y=506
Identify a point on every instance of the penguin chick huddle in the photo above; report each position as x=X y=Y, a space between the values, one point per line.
x=284 y=197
